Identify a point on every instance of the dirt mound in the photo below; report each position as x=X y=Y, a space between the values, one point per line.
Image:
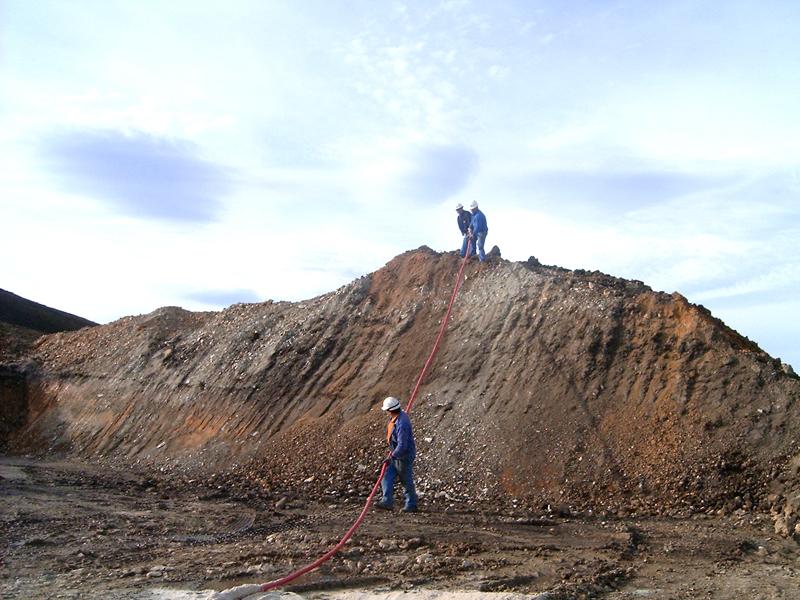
x=552 y=387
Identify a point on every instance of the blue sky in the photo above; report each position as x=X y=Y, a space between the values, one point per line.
x=203 y=153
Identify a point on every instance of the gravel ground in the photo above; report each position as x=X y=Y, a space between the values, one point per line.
x=79 y=531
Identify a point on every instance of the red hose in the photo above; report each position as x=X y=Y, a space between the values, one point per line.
x=325 y=557
x=271 y=585
x=435 y=349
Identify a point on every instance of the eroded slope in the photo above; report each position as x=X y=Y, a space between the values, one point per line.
x=551 y=386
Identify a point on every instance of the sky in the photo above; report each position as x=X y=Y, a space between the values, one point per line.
x=201 y=153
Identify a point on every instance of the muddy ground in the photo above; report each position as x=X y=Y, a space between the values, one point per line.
x=79 y=531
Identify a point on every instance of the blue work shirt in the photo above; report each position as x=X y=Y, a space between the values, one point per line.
x=478 y=223
x=401 y=440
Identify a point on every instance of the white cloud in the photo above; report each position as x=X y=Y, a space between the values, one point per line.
x=772 y=279
x=658 y=144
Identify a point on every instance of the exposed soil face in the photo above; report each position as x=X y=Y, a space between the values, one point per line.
x=551 y=387
x=72 y=531
x=555 y=394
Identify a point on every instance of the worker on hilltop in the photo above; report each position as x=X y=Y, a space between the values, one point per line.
x=464 y=219
x=400 y=461
x=478 y=230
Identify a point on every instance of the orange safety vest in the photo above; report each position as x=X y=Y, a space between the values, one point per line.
x=390 y=428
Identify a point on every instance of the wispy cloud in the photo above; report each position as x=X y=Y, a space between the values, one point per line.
x=657 y=143
x=608 y=193
x=437 y=172
x=727 y=246
x=138 y=174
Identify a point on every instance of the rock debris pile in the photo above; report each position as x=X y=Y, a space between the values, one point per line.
x=553 y=390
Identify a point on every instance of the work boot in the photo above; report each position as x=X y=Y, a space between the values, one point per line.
x=383 y=506
x=409 y=509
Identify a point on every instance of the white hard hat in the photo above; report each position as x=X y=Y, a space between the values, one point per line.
x=459 y=206
x=473 y=205
x=391 y=403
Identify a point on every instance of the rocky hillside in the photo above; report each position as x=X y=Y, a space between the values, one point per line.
x=551 y=387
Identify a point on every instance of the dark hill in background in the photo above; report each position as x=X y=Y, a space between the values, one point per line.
x=16 y=310
x=552 y=387
x=22 y=321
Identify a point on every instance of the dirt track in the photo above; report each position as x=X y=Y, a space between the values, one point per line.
x=76 y=531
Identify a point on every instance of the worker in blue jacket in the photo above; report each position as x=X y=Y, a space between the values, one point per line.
x=478 y=229
x=400 y=461
x=463 y=220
